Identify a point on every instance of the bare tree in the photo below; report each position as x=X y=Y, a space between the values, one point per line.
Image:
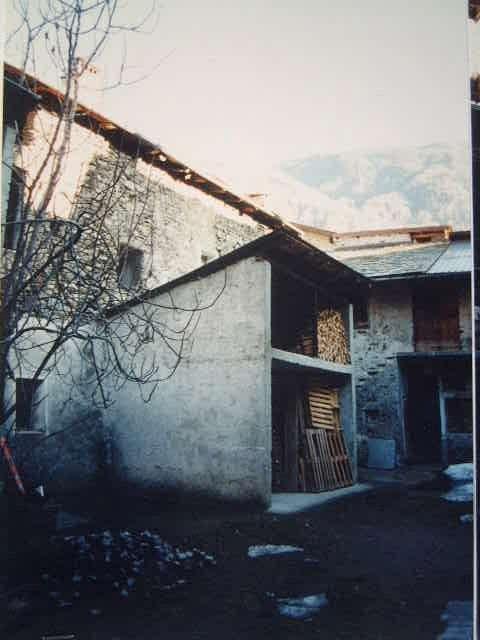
x=79 y=280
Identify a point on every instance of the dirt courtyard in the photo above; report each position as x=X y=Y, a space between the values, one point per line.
x=388 y=562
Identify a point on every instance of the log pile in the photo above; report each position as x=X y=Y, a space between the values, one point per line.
x=332 y=337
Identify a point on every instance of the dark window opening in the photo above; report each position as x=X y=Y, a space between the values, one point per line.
x=129 y=267
x=14 y=209
x=360 y=315
x=29 y=405
x=459 y=415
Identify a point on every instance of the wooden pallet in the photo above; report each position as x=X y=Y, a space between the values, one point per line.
x=323 y=406
x=328 y=459
x=327 y=463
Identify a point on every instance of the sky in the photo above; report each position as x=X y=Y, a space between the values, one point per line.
x=237 y=87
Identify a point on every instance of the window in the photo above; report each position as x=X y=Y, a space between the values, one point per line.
x=14 y=209
x=30 y=405
x=129 y=267
x=435 y=316
x=360 y=314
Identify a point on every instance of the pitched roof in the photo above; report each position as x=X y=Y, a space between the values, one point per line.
x=151 y=153
x=434 y=259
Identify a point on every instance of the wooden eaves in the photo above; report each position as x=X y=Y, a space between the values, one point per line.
x=444 y=229
x=302 y=260
x=151 y=153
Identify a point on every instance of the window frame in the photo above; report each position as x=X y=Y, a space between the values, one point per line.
x=38 y=424
x=362 y=324
x=129 y=275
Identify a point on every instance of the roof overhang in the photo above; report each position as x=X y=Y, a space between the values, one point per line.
x=459 y=275
x=436 y=359
x=295 y=255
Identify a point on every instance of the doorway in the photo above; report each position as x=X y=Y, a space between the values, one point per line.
x=423 y=424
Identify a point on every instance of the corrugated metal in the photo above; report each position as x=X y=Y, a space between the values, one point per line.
x=456 y=259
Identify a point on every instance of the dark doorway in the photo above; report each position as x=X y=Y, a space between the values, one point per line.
x=284 y=433
x=423 y=418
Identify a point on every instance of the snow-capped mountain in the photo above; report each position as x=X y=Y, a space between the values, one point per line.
x=392 y=188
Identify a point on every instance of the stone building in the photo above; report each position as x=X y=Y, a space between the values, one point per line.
x=258 y=375
x=412 y=343
x=163 y=219
x=176 y=217
x=221 y=428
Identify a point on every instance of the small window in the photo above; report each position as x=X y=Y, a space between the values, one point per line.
x=129 y=267
x=14 y=209
x=360 y=314
x=30 y=405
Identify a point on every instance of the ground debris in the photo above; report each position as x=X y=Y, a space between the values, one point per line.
x=124 y=563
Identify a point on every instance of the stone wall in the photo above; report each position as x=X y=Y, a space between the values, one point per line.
x=178 y=229
x=378 y=382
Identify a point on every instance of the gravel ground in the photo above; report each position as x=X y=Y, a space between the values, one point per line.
x=381 y=565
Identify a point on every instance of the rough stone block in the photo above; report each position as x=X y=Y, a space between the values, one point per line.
x=381 y=453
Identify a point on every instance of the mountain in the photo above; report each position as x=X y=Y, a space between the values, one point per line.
x=392 y=188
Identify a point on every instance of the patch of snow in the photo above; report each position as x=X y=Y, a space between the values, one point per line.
x=301 y=608
x=467 y=518
x=460 y=472
x=462 y=477
x=459 y=618
x=460 y=493
x=256 y=551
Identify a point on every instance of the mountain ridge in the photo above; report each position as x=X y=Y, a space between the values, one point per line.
x=413 y=186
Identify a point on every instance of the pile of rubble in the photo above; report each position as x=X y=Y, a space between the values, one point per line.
x=124 y=563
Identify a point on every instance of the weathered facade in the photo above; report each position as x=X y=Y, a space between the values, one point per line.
x=171 y=218
x=208 y=428
x=208 y=431
x=217 y=428
x=413 y=346
x=176 y=217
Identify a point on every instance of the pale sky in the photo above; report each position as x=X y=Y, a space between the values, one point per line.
x=242 y=86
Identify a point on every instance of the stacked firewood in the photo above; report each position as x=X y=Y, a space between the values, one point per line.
x=332 y=337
